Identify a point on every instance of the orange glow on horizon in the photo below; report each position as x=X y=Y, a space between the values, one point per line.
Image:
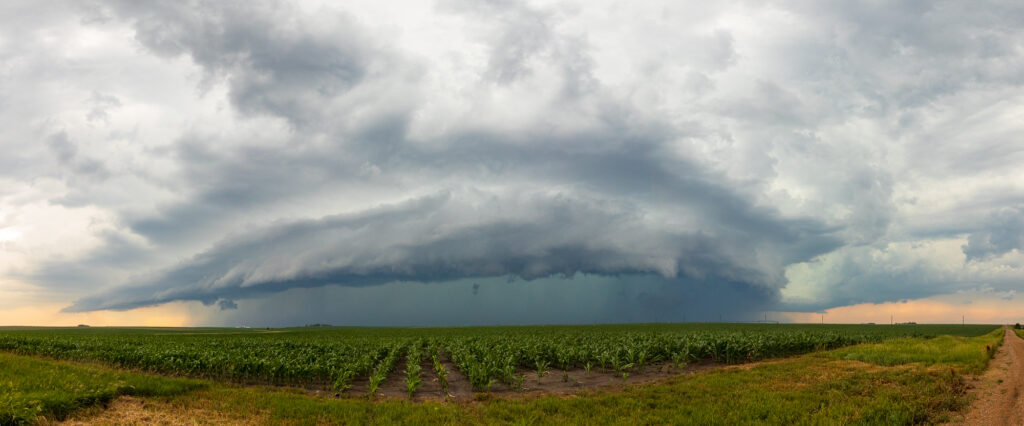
x=951 y=309
x=170 y=315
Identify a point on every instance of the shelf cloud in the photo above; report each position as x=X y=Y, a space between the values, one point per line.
x=455 y=236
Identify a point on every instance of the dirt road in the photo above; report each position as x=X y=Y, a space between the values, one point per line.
x=999 y=391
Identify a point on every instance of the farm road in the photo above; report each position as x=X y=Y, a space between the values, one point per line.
x=1000 y=390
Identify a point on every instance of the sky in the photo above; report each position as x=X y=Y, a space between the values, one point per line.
x=450 y=162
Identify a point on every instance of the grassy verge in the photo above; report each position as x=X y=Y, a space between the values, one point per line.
x=906 y=381
x=967 y=354
x=33 y=389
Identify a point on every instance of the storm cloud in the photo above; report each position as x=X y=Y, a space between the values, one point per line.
x=784 y=156
x=455 y=236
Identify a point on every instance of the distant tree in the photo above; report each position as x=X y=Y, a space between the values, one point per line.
x=1017 y=326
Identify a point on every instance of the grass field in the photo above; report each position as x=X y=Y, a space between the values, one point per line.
x=31 y=388
x=902 y=380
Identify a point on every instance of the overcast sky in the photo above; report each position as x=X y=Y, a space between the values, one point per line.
x=485 y=162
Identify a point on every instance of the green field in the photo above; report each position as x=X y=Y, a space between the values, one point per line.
x=328 y=356
x=914 y=379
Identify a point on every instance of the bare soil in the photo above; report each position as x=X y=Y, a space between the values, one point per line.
x=552 y=382
x=999 y=392
x=127 y=410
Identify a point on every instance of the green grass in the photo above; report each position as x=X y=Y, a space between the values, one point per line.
x=802 y=391
x=32 y=388
x=969 y=354
x=805 y=390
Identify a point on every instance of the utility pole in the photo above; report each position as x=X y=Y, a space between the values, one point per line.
x=823 y=320
x=890 y=319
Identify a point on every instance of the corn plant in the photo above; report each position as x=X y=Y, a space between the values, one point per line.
x=641 y=357
x=442 y=377
x=679 y=359
x=517 y=384
x=335 y=358
x=375 y=382
x=602 y=359
x=542 y=367
x=509 y=370
x=344 y=381
x=616 y=365
x=380 y=374
x=440 y=370
x=412 y=370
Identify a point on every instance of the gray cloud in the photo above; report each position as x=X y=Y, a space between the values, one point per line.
x=250 y=151
x=275 y=60
x=67 y=156
x=465 y=235
x=226 y=305
x=1003 y=232
x=582 y=299
x=101 y=103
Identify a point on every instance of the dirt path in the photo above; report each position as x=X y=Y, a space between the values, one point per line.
x=1000 y=390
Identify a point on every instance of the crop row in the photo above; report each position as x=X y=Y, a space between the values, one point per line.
x=337 y=358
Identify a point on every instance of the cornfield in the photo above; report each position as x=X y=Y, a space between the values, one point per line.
x=335 y=357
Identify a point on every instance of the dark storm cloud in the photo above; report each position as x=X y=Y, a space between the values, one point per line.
x=225 y=304
x=580 y=300
x=455 y=236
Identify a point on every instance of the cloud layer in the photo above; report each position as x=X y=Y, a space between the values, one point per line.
x=799 y=155
x=465 y=235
